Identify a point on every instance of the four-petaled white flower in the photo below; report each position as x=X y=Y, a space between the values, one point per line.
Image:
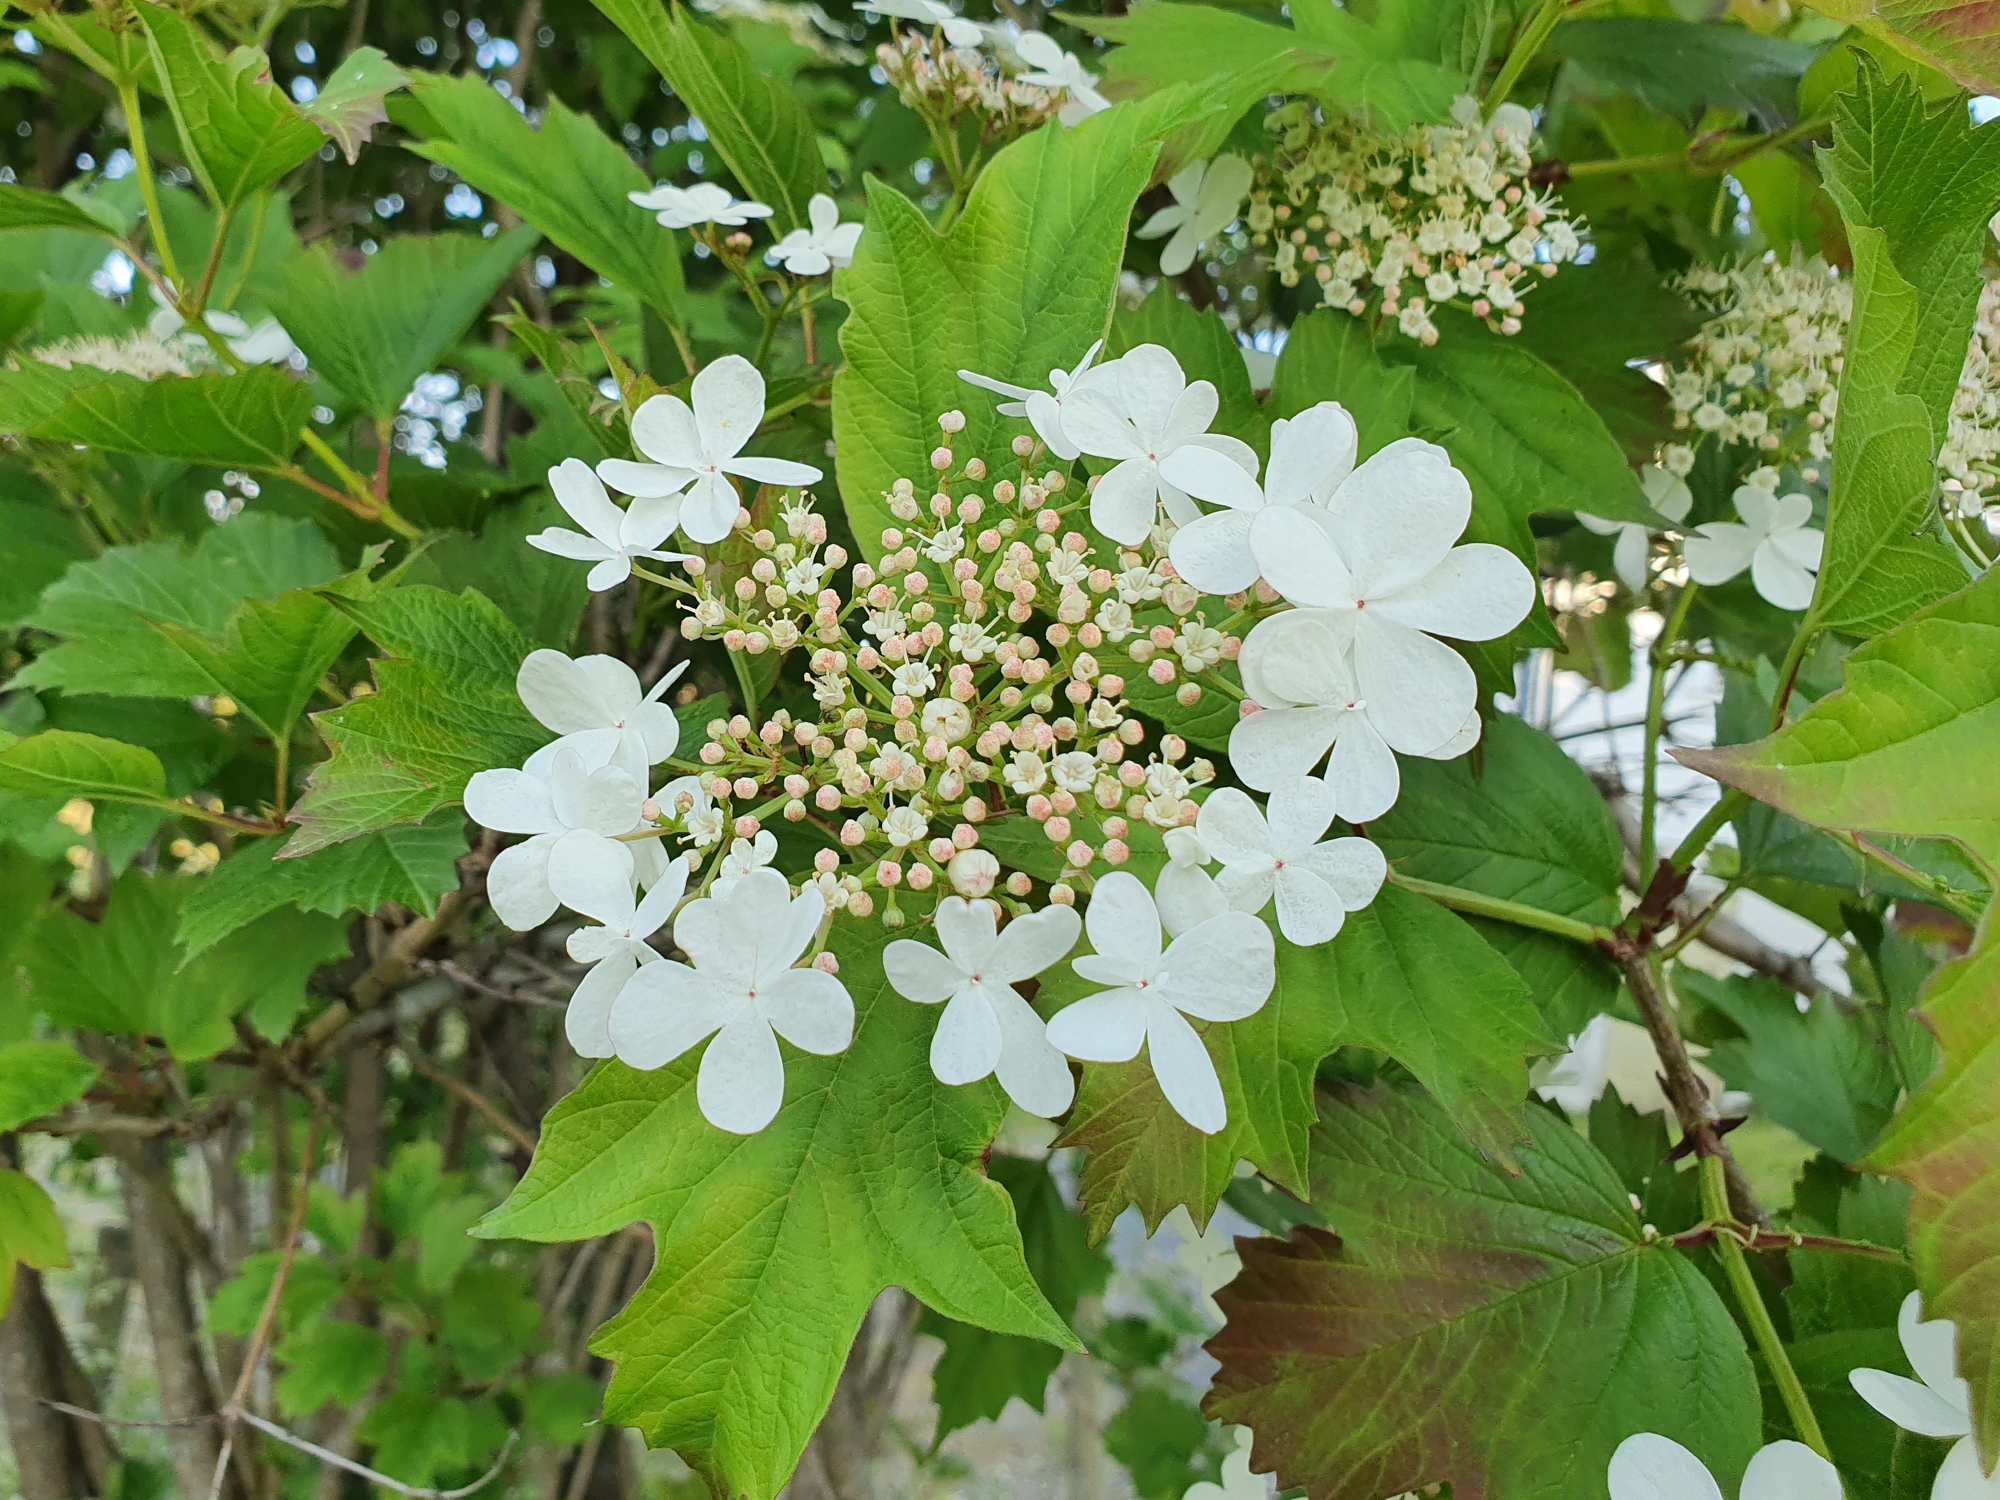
x=957 y=30
x=823 y=244
x=262 y=343
x=596 y=705
x=1774 y=542
x=611 y=537
x=594 y=877
x=1310 y=455
x=743 y=991
x=744 y=856
x=1296 y=670
x=701 y=446
x=1206 y=197
x=1043 y=409
x=686 y=800
x=1238 y=1483
x=1220 y=969
x=704 y=203
x=1150 y=414
x=1648 y=1466
x=1277 y=853
x=1938 y=1404
x=1056 y=69
x=547 y=803
x=986 y=1026
x=1669 y=495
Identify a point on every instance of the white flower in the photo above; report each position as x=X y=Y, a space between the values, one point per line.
x=1938 y=1404
x=704 y=203
x=904 y=826
x=595 y=704
x=1025 y=772
x=1221 y=969
x=913 y=679
x=1154 y=413
x=594 y=877
x=1075 y=771
x=1206 y=197
x=971 y=640
x=1043 y=409
x=1669 y=496
x=611 y=537
x=546 y=803
x=1238 y=1483
x=1277 y=852
x=1184 y=892
x=986 y=1026
x=946 y=719
x=957 y=30
x=702 y=446
x=815 y=250
x=1650 y=1467
x=701 y=819
x=744 y=856
x=1057 y=69
x=1774 y=542
x=1310 y=455
x=1575 y=1081
x=1297 y=671
x=743 y=988
x=264 y=343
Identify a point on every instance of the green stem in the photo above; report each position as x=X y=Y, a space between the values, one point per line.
x=1728 y=1246
x=142 y=165
x=284 y=747
x=1688 y=850
x=1656 y=698
x=1526 y=45
x=740 y=661
x=376 y=509
x=686 y=348
x=1479 y=904
x=193 y=311
x=1696 y=166
x=1935 y=886
x=1788 y=674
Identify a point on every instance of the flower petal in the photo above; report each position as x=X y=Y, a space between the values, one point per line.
x=1310 y=455
x=1232 y=828
x=809 y=1008
x=1354 y=867
x=1362 y=771
x=558 y=694
x=1297 y=814
x=1106 y=1027
x=1126 y=500
x=587 y=1022
x=1033 y=1072
x=1758 y=507
x=1786 y=1470
x=742 y=1078
x=592 y=874
x=918 y=972
x=646 y=481
x=1298 y=658
x=663 y=891
x=581 y=495
x=1190 y=415
x=1932 y=1350
x=1213 y=552
x=1186 y=896
x=604 y=801
x=608 y=574
x=1911 y=1405
x=1097 y=424
x=1123 y=923
x=1629 y=556
x=509 y=801
x=1178 y=253
x=1030 y=944
x=776 y=471
x=967 y=1043
x=1150 y=384
x=1222 y=970
x=663 y=428
x=517 y=885
x=1184 y=1070
x=708 y=512
x=1650 y=1467
x=1806 y=547
x=1717 y=551
x=1213 y=476
x=1299 y=560
x=1398 y=515
x=1418 y=690
x=1960 y=1477
x=1275 y=745
x=1045 y=415
x=663 y=1010
x=560 y=541
x=1477 y=593
x=728 y=405
x=1310 y=911
x=1779 y=580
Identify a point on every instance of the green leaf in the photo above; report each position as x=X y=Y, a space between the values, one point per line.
x=772 y=1247
x=372 y=332
x=42 y=542
x=240 y=135
x=39 y=1078
x=348 y=105
x=312 y=1288
x=444 y=709
x=1819 y=1073
x=124 y=974
x=982 y=1371
x=1915 y=190
x=568 y=179
x=411 y=865
x=1942 y=1144
x=420 y=1437
x=1021 y=285
x=1888 y=752
x=1678 y=67
x=31 y=392
x=1508 y=1331
x=329 y=1360
x=245 y=421
x=30 y=1233
x=1954 y=36
x=759 y=126
x=1404 y=977
x=63 y=763
x=30 y=208
x=1162 y=1441
x=559 y=1409
x=1328 y=356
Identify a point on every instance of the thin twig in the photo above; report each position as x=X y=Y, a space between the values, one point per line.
x=1776 y=1241
x=446 y=969
x=459 y=1089
x=374 y=1476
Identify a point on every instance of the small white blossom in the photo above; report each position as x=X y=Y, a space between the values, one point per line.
x=1025 y=772
x=946 y=719
x=1056 y=69
x=1044 y=409
x=611 y=537
x=822 y=245
x=704 y=203
x=744 y=857
x=563 y=795
x=957 y=30
x=904 y=826
x=1774 y=542
x=970 y=639
x=1075 y=771
x=686 y=799
x=596 y=705
x=1668 y=495
x=914 y=678
x=1278 y=853
x=1937 y=1404
x=1206 y=198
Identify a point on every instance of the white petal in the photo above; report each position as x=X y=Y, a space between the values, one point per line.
x=1418 y=690
x=587 y=1022
x=1213 y=552
x=663 y=1010
x=1210 y=475
x=1477 y=593
x=1232 y=828
x=1178 y=253
x=1309 y=910
x=1150 y=384
x=560 y=541
x=1297 y=814
x=1163 y=222
x=1030 y=944
x=1781 y=581
x=1397 y=516
x=1960 y=1478
x=1467 y=736
x=658 y=727
x=1186 y=897
x=1192 y=412
x=1096 y=422
x=1758 y=507
x=774 y=471
x=1786 y=1470
x=1805 y=546
x=1126 y=500
x=1310 y=454
x=709 y=510
x=966 y=929
x=1355 y=868
x=593 y=875
x=644 y=480
x=1032 y=1071
x=604 y=801
x=728 y=405
x=1650 y=1467
x=1184 y=1069
x=517 y=884
x=1123 y=923
x=742 y=1078
x=998 y=387
x=1276 y=745
x=1106 y=1027
x=649 y=522
x=967 y=1042
x=1362 y=771
x=1222 y=970
x=608 y=574
x=1911 y=1405
x=1298 y=658
x=561 y=696
x=1242 y=888
x=581 y=494
x=809 y=1008
x=511 y=802
x=1932 y=1350
x=1718 y=551
x=1045 y=415
x=1299 y=560
x=918 y=972
x=663 y=894
x=663 y=429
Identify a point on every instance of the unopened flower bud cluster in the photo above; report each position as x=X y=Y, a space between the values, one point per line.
x=1969 y=461
x=943 y=84
x=1441 y=214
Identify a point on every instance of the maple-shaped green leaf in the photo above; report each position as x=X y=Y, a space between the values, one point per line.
x=30 y=1233
x=1944 y=1144
x=1404 y=976
x=1503 y=1333
x=444 y=709
x=348 y=105
x=981 y=1371
x=1954 y=36
x=1890 y=751
x=412 y=864
x=771 y=1247
x=31 y=392
x=250 y=420
x=39 y=1078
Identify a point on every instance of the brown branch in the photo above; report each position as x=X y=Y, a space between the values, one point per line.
x=446 y=969
x=459 y=1089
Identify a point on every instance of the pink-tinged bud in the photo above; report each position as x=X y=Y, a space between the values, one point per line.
x=975 y=809
x=1039 y=807
x=964 y=836
x=1057 y=829
x=855 y=739
x=864 y=578
x=827 y=798
x=649 y=811
x=746 y=826
x=1034 y=671
x=1063 y=802
x=988 y=540
x=771 y=732
x=794 y=811
x=796 y=785
x=1131 y=731
x=1059 y=635
x=718 y=788
x=695 y=566
x=935 y=748
x=1089 y=635
x=921 y=877
x=1161 y=636
x=822 y=746
x=746 y=787
x=826 y=963
x=972 y=872
x=1079 y=855
x=1162 y=670
x=826 y=861
x=852 y=833
x=711 y=754
x=1061 y=893
x=1107 y=794
x=1110 y=685
x=738 y=726
x=1173 y=747
x=902 y=705
x=836 y=555
x=941 y=849
x=1023 y=445
x=940 y=459
x=861 y=904
x=1116 y=851
x=975 y=469
x=965 y=568
x=952 y=421
x=1100 y=580
x=1189 y=812
x=1046 y=522
x=1141 y=650
x=1132 y=773
x=868 y=659
x=888 y=873
x=1019 y=884
x=735 y=640
x=1188 y=694
x=1078 y=692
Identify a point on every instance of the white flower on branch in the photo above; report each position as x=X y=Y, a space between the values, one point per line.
x=596 y=705
x=1277 y=853
x=1310 y=455
x=1938 y=1404
x=743 y=991
x=1774 y=542
x=611 y=537
x=1670 y=496
x=1206 y=198
x=1220 y=969
x=744 y=856
x=547 y=803
x=1056 y=69
x=1043 y=409
x=1648 y=1466
x=987 y=1028
x=594 y=877
x=704 y=203
x=957 y=30
x=823 y=244
x=1149 y=414
x=700 y=447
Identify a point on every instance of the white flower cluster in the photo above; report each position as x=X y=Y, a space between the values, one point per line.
x=943 y=75
x=814 y=250
x=1969 y=459
x=1771 y=539
x=1763 y=371
x=1442 y=214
